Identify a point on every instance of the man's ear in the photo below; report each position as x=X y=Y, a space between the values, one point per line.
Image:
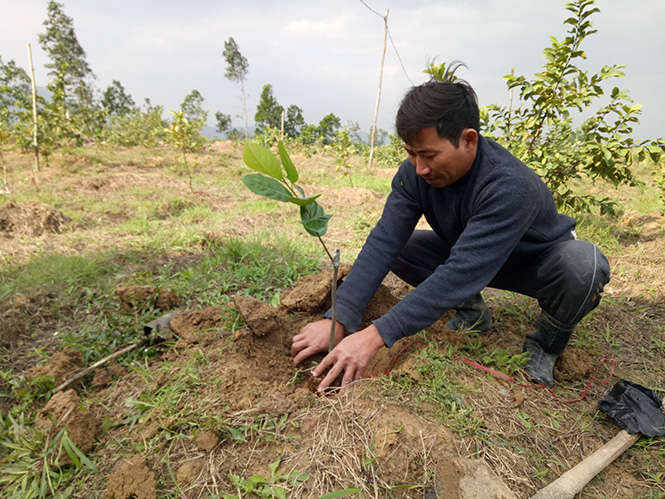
x=469 y=138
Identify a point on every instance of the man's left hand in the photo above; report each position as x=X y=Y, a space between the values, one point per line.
x=351 y=357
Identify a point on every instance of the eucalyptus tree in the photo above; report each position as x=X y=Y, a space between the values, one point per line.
x=70 y=72
x=60 y=43
x=236 y=70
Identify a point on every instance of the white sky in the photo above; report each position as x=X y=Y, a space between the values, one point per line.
x=324 y=55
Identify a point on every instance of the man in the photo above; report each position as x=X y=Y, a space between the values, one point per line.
x=494 y=223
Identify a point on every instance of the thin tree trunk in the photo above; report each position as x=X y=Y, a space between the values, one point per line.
x=378 y=95
x=244 y=105
x=35 y=142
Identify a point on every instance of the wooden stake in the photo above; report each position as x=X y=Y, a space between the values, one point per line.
x=510 y=102
x=35 y=142
x=378 y=95
x=282 y=125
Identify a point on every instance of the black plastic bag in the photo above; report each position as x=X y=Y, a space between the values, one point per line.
x=634 y=408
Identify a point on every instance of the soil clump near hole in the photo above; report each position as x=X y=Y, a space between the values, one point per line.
x=31 y=219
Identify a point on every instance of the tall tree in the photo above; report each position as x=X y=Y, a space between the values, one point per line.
x=67 y=56
x=193 y=108
x=116 y=100
x=328 y=127
x=294 y=121
x=236 y=70
x=223 y=122
x=14 y=91
x=268 y=112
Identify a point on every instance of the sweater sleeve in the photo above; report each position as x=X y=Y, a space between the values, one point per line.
x=502 y=214
x=384 y=243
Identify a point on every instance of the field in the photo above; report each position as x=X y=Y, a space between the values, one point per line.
x=103 y=241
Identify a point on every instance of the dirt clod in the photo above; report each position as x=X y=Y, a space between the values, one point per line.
x=206 y=441
x=65 y=410
x=133 y=480
x=311 y=293
x=191 y=325
x=573 y=365
x=261 y=318
x=167 y=300
x=64 y=363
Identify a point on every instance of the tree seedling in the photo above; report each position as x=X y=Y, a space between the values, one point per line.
x=276 y=180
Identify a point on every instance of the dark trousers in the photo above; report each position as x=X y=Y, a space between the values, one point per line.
x=567 y=279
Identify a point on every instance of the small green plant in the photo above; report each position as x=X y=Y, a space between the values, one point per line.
x=25 y=391
x=343 y=148
x=184 y=135
x=277 y=180
x=273 y=486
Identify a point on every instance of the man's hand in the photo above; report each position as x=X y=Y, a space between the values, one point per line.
x=351 y=356
x=314 y=338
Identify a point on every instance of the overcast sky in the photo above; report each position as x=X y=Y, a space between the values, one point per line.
x=324 y=56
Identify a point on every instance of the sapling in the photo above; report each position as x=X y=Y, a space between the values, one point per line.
x=276 y=180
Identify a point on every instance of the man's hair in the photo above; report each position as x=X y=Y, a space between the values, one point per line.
x=450 y=105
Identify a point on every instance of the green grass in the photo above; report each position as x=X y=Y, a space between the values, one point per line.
x=56 y=275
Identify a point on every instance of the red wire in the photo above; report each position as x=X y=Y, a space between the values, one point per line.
x=504 y=376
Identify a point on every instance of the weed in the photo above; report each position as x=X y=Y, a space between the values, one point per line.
x=274 y=486
x=262 y=427
x=30 y=467
x=26 y=392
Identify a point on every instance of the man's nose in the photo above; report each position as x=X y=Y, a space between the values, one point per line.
x=421 y=167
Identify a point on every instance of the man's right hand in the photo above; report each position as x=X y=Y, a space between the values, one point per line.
x=314 y=338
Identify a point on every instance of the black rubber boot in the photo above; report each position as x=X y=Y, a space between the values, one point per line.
x=545 y=345
x=472 y=314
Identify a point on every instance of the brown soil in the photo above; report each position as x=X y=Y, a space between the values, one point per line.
x=31 y=219
x=65 y=410
x=133 y=479
x=256 y=365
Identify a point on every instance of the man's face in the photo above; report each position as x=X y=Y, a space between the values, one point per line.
x=437 y=160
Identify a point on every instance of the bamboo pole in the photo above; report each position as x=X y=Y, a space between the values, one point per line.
x=378 y=95
x=35 y=142
x=282 y=134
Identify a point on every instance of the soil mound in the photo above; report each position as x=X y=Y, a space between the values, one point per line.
x=65 y=410
x=32 y=219
x=63 y=364
x=132 y=479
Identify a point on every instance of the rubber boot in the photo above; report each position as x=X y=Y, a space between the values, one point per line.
x=545 y=345
x=472 y=314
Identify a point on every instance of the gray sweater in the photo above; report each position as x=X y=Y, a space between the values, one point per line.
x=499 y=210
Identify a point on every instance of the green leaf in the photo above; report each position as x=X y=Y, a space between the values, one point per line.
x=314 y=219
x=266 y=186
x=304 y=201
x=262 y=160
x=69 y=445
x=289 y=167
x=274 y=465
x=340 y=493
